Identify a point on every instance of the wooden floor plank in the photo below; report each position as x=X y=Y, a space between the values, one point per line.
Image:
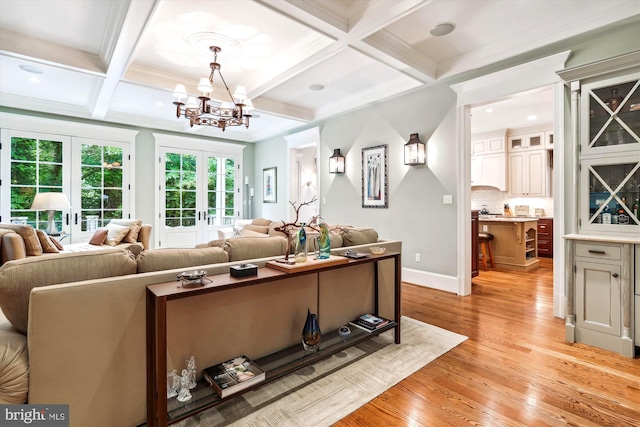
x=515 y=369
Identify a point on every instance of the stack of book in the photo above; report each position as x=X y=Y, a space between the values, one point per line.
x=369 y=322
x=233 y=375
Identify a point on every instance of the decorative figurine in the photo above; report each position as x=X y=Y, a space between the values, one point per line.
x=173 y=384
x=191 y=367
x=324 y=242
x=301 y=245
x=184 y=394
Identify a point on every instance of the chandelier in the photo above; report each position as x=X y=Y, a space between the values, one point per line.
x=203 y=113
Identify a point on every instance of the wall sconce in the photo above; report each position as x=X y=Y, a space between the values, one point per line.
x=415 y=151
x=336 y=162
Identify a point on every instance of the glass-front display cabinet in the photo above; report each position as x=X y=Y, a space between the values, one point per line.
x=610 y=155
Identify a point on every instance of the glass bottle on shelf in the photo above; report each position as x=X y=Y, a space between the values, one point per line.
x=614 y=115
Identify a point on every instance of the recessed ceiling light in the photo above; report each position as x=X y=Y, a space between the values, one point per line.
x=489 y=110
x=316 y=87
x=532 y=117
x=442 y=29
x=31 y=69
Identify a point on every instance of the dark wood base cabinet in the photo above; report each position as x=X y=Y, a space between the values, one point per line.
x=474 y=243
x=545 y=237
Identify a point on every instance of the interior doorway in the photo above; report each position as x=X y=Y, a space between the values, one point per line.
x=303 y=184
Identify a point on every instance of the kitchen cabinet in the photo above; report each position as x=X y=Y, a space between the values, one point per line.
x=489 y=160
x=605 y=113
x=514 y=243
x=487 y=146
x=600 y=304
x=548 y=140
x=529 y=173
x=474 y=244
x=530 y=141
x=545 y=237
x=489 y=170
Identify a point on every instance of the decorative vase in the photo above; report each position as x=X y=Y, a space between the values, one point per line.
x=301 y=245
x=311 y=333
x=324 y=242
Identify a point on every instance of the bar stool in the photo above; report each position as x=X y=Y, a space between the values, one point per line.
x=484 y=239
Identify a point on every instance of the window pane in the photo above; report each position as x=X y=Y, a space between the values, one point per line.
x=50 y=174
x=172 y=199
x=23 y=173
x=189 y=199
x=113 y=177
x=172 y=162
x=91 y=199
x=188 y=180
x=91 y=155
x=23 y=149
x=50 y=151
x=172 y=180
x=189 y=163
x=113 y=156
x=21 y=198
x=91 y=176
x=112 y=199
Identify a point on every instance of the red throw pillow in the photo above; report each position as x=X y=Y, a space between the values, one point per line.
x=99 y=237
x=56 y=243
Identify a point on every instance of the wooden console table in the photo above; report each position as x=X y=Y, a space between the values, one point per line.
x=276 y=364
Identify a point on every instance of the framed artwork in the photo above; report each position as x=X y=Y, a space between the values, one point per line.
x=375 y=177
x=269 y=185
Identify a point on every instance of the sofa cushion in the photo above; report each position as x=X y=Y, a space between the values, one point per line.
x=14 y=364
x=254 y=247
x=172 y=258
x=264 y=229
x=251 y=233
x=99 y=237
x=45 y=241
x=134 y=228
x=18 y=277
x=116 y=233
x=359 y=236
x=261 y=221
x=28 y=234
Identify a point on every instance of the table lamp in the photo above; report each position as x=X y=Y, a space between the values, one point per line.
x=50 y=202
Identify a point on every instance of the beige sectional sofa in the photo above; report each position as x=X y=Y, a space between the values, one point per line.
x=86 y=334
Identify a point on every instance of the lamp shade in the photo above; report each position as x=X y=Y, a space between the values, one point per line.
x=336 y=162
x=50 y=201
x=414 y=151
x=180 y=92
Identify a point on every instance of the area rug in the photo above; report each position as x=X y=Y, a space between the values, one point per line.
x=329 y=390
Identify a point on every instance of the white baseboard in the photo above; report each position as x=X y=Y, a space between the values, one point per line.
x=430 y=280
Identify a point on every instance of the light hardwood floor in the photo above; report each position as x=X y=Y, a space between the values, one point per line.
x=515 y=369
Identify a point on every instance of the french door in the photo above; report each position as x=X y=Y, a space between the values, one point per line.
x=199 y=193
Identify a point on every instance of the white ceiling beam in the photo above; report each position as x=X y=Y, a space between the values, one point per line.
x=127 y=28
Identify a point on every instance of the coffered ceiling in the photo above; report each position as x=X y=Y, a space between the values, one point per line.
x=119 y=60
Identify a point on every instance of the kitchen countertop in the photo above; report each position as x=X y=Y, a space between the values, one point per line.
x=506 y=218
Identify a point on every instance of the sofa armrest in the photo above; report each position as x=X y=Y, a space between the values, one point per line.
x=145 y=235
x=12 y=247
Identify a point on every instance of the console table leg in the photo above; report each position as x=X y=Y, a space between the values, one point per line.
x=156 y=361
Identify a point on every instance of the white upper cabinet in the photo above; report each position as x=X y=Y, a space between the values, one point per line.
x=530 y=141
x=489 y=161
x=528 y=173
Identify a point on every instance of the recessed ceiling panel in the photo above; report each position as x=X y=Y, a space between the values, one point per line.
x=262 y=35
x=347 y=74
x=77 y=24
x=46 y=83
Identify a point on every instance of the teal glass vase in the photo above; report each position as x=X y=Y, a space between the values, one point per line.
x=301 y=245
x=324 y=242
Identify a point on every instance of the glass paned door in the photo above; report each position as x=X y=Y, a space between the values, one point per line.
x=221 y=191
x=101 y=185
x=613 y=115
x=34 y=164
x=613 y=194
x=198 y=196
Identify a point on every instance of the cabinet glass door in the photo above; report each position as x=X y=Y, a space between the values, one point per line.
x=613 y=193
x=613 y=111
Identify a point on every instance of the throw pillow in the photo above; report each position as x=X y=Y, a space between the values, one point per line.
x=99 y=237
x=251 y=233
x=134 y=225
x=257 y=228
x=28 y=233
x=115 y=234
x=56 y=243
x=45 y=241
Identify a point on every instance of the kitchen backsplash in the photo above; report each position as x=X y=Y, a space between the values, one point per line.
x=495 y=201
